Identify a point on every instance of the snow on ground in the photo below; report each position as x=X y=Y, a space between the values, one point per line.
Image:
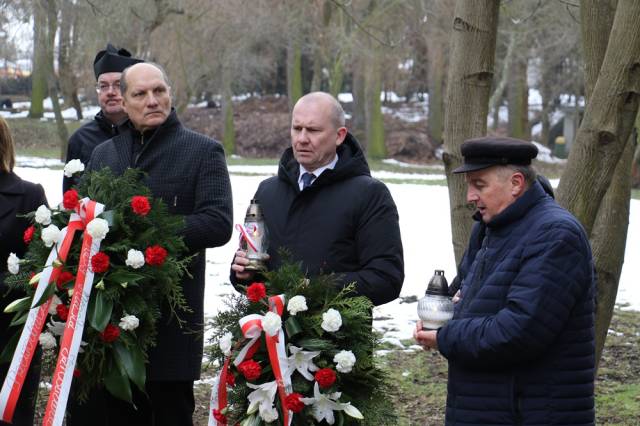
x=426 y=234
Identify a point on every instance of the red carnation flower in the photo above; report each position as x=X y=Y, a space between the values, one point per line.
x=250 y=369
x=28 y=234
x=293 y=403
x=70 y=199
x=76 y=373
x=155 y=255
x=231 y=379
x=62 y=311
x=140 y=205
x=256 y=291
x=220 y=418
x=110 y=333
x=100 y=262
x=325 y=377
x=63 y=278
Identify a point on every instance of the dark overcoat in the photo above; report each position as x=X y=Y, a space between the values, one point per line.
x=521 y=344
x=189 y=172
x=84 y=140
x=17 y=197
x=345 y=222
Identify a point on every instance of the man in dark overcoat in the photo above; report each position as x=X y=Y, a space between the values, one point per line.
x=107 y=67
x=189 y=172
x=326 y=209
x=520 y=345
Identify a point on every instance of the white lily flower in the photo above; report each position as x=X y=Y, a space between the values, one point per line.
x=302 y=362
x=268 y=414
x=226 y=343
x=13 y=263
x=323 y=406
x=271 y=323
x=72 y=167
x=56 y=327
x=262 y=397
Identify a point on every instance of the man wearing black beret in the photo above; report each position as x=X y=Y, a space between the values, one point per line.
x=521 y=343
x=107 y=66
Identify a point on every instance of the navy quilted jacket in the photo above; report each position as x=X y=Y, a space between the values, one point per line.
x=521 y=344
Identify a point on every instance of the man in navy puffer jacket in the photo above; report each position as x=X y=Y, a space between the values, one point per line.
x=521 y=343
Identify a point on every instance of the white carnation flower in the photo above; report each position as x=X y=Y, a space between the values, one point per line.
x=98 y=228
x=43 y=215
x=47 y=341
x=271 y=323
x=135 y=259
x=129 y=322
x=345 y=360
x=55 y=301
x=297 y=304
x=13 y=263
x=331 y=320
x=50 y=235
x=72 y=167
x=225 y=343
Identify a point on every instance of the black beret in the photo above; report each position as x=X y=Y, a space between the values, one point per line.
x=113 y=60
x=490 y=151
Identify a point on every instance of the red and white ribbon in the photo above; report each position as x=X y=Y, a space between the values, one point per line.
x=74 y=326
x=251 y=326
x=36 y=318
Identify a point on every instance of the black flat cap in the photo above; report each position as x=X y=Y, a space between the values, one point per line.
x=482 y=153
x=113 y=60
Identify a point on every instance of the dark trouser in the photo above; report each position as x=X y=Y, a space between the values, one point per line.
x=165 y=404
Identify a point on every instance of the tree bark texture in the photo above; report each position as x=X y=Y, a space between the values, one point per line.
x=373 y=110
x=68 y=80
x=294 y=73
x=609 y=236
x=471 y=68
x=518 y=96
x=608 y=120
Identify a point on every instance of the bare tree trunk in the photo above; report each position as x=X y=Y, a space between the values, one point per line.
x=39 y=74
x=518 y=99
x=358 y=121
x=294 y=73
x=51 y=29
x=68 y=83
x=608 y=120
x=475 y=26
x=609 y=235
x=228 y=129
x=498 y=94
x=373 y=110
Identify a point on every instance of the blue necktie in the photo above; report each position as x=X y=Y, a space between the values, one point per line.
x=306 y=179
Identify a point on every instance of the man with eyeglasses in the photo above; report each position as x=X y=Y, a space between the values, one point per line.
x=107 y=65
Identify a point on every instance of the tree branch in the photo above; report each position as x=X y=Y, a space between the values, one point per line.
x=343 y=6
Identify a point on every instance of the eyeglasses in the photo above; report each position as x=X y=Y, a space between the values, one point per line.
x=106 y=87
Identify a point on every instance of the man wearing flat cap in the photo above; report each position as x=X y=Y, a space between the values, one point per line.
x=107 y=66
x=520 y=345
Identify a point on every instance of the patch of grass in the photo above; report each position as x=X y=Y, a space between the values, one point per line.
x=36 y=138
x=620 y=402
x=243 y=161
x=436 y=182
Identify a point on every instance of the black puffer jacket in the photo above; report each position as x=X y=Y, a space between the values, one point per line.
x=346 y=222
x=85 y=139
